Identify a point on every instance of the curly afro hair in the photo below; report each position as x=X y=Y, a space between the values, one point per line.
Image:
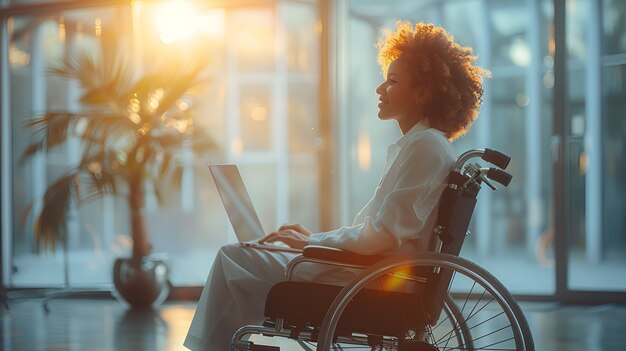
x=453 y=84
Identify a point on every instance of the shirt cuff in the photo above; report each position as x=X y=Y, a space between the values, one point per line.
x=317 y=239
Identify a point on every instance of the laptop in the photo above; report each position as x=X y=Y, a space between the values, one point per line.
x=240 y=211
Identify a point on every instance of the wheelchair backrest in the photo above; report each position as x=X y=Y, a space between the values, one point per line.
x=456 y=207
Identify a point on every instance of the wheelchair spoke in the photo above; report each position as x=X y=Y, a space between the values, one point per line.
x=439 y=324
x=353 y=347
x=457 y=325
x=468 y=296
x=473 y=348
x=449 y=336
x=432 y=330
x=487 y=347
x=471 y=314
x=487 y=320
x=455 y=328
x=491 y=333
x=470 y=321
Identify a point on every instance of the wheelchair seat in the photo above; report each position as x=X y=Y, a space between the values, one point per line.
x=455 y=305
x=371 y=311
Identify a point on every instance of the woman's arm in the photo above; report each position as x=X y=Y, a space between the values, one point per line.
x=423 y=167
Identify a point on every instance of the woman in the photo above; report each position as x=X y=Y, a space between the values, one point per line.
x=433 y=91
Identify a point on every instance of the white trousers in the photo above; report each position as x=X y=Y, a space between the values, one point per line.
x=234 y=294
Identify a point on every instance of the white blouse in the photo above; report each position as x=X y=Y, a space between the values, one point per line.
x=403 y=211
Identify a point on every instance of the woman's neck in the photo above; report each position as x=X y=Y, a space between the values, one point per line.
x=408 y=125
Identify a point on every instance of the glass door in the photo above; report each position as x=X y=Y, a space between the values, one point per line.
x=595 y=236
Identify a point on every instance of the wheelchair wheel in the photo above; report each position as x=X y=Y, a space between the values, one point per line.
x=451 y=326
x=480 y=313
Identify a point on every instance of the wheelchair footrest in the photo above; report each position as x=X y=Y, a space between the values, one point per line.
x=254 y=347
x=416 y=346
x=269 y=323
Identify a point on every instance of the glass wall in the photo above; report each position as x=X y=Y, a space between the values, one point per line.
x=259 y=106
x=38 y=43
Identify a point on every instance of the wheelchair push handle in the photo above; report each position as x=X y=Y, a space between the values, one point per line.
x=497 y=158
x=492 y=156
x=499 y=176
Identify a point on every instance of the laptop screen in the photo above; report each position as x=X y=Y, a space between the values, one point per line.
x=237 y=203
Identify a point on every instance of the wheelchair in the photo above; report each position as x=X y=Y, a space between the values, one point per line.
x=455 y=304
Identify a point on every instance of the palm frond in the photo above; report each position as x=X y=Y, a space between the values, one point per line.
x=100 y=95
x=177 y=176
x=158 y=193
x=27 y=211
x=164 y=166
x=148 y=154
x=51 y=130
x=33 y=149
x=181 y=84
x=97 y=185
x=81 y=67
x=100 y=129
x=147 y=84
x=50 y=225
x=105 y=80
x=121 y=75
x=100 y=178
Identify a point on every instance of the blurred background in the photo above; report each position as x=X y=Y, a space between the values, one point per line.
x=290 y=98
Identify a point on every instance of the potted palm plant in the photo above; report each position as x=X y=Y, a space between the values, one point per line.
x=132 y=128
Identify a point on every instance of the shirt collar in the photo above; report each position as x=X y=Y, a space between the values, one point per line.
x=408 y=136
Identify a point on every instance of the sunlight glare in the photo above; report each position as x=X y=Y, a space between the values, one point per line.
x=364 y=152
x=62 y=32
x=178 y=20
x=236 y=146
x=174 y=20
x=520 y=53
x=211 y=22
x=258 y=113
x=397 y=280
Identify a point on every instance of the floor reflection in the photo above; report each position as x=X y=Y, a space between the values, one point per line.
x=106 y=325
x=140 y=330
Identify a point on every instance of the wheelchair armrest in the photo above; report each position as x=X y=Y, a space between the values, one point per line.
x=340 y=256
x=330 y=256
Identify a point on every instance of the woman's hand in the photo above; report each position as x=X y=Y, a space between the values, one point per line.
x=294 y=235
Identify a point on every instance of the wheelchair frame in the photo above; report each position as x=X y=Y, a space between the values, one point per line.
x=456 y=207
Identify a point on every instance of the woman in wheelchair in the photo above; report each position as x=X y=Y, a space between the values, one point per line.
x=432 y=89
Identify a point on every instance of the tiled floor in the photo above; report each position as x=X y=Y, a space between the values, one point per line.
x=103 y=324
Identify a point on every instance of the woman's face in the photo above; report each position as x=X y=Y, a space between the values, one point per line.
x=399 y=95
